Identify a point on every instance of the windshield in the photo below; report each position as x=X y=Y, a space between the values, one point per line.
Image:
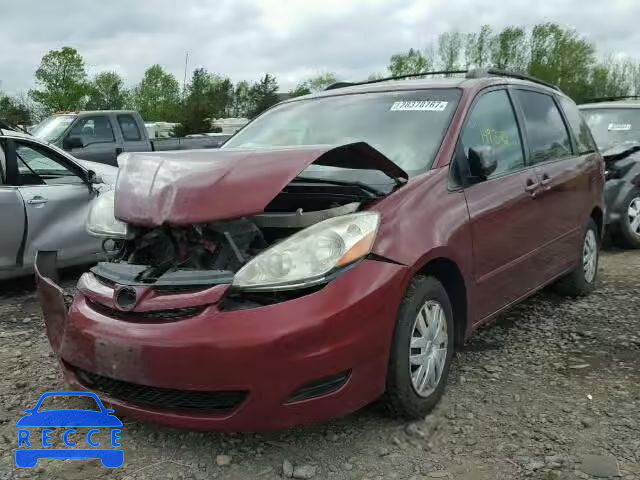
x=406 y=126
x=51 y=128
x=611 y=126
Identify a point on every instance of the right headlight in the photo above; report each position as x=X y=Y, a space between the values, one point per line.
x=102 y=222
x=308 y=256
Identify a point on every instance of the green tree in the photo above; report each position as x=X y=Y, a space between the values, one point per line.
x=300 y=90
x=634 y=78
x=196 y=114
x=412 y=61
x=61 y=80
x=107 y=92
x=157 y=97
x=611 y=78
x=509 y=50
x=241 y=101
x=207 y=97
x=478 y=48
x=15 y=110
x=263 y=94
x=314 y=84
x=220 y=96
x=449 y=48
x=560 y=56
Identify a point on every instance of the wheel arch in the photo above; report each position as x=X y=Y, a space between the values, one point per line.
x=447 y=272
x=597 y=215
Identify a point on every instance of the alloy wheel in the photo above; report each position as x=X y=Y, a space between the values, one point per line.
x=634 y=216
x=590 y=256
x=429 y=343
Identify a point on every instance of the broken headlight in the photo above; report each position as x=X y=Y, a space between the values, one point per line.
x=102 y=222
x=309 y=256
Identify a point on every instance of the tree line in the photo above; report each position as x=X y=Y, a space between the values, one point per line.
x=551 y=52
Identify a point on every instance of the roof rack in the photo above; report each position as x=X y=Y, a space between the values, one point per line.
x=497 y=72
x=612 y=98
x=396 y=77
x=473 y=73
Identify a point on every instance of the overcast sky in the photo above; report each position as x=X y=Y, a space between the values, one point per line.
x=291 y=39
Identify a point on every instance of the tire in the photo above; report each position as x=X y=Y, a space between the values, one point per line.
x=628 y=230
x=425 y=297
x=582 y=280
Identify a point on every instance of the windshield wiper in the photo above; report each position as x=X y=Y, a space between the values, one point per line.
x=363 y=186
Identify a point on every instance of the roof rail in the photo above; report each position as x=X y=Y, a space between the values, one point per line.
x=396 y=77
x=473 y=73
x=611 y=99
x=497 y=72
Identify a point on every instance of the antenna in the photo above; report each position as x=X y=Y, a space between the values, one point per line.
x=184 y=79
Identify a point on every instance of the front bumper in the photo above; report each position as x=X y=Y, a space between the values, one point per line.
x=268 y=352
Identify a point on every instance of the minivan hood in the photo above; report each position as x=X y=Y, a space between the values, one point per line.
x=199 y=186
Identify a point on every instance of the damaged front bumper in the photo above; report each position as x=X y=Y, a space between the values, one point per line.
x=182 y=360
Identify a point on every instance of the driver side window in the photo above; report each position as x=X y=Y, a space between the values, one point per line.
x=492 y=123
x=92 y=130
x=36 y=166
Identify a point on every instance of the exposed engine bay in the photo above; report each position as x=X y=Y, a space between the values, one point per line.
x=199 y=219
x=211 y=253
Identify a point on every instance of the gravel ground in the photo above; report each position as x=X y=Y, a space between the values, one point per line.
x=551 y=390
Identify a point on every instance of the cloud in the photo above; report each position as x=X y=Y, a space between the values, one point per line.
x=245 y=38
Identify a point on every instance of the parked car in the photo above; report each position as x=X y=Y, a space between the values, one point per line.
x=615 y=123
x=44 y=200
x=335 y=250
x=100 y=136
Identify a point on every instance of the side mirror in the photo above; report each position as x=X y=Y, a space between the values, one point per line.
x=93 y=177
x=70 y=143
x=482 y=161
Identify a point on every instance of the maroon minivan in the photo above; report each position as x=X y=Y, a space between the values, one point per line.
x=336 y=250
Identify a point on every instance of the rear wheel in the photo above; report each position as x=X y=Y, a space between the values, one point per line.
x=422 y=350
x=629 y=227
x=582 y=280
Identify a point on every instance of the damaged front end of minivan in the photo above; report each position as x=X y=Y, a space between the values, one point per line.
x=251 y=222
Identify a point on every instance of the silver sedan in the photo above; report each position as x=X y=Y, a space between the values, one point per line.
x=45 y=195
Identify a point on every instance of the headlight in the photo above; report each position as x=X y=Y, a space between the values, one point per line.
x=102 y=222
x=306 y=257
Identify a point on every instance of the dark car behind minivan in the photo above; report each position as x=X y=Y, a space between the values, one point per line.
x=336 y=250
x=615 y=124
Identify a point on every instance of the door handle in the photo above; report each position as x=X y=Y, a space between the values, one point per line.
x=531 y=186
x=37 y=200
x=546 y=180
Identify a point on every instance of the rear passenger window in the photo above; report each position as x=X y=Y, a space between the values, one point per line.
x=129 y=128
x=578 y=126
x=492 y=123
x=546 y=131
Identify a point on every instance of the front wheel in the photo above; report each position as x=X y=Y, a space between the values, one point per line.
x=421 y=351
x=629 y=227
x=582 y=280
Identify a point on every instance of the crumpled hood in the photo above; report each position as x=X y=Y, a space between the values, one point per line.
x=199 y=186
x=620 y=150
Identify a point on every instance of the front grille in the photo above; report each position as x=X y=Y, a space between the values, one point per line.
x=320 y=387
x=173 y=289
x=162 y=398
x=151 y=316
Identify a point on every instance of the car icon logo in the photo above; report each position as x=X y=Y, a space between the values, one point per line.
x=32 y=447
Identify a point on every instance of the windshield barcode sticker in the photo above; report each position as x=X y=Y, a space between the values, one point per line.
x=619 y=127
x=418 y=106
